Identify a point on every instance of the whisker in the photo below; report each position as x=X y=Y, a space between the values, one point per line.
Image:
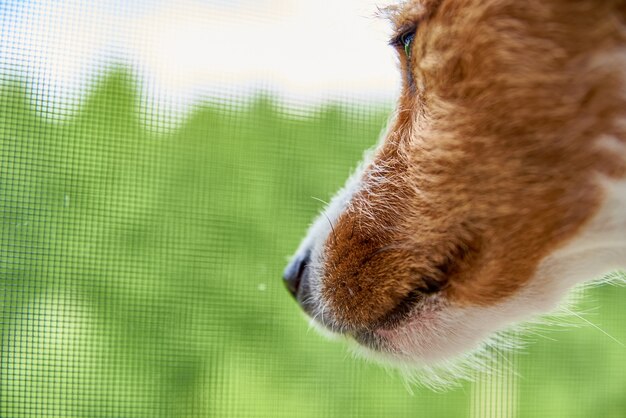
x=327 y=218
x=320 y=200
x=595 y=326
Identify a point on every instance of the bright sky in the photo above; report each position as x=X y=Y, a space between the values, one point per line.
x=183 y=50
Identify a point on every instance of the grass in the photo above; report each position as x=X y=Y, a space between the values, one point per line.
x=140 y=272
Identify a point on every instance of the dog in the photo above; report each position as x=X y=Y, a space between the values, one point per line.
x=499 y=185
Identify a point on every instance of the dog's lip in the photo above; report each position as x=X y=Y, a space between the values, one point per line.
x=381 y=338
x=377 y=339
x=372 y=337
x=391 y=338
x=372 y=340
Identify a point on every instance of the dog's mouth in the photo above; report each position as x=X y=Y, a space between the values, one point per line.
x=402 y=334
x=373 y=341
x=397 y=333
x=417 y=337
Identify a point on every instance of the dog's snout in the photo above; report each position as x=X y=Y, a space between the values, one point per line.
x=295 y=272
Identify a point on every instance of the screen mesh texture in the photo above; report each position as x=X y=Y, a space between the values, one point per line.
x=143 y=235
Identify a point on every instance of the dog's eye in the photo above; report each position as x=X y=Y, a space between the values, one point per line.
x=406 y=41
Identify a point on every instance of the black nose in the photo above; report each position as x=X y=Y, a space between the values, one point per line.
x=295 y=272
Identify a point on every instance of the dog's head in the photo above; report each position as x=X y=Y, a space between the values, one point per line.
x=490 y=165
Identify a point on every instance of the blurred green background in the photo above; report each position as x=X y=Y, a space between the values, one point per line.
x=140 y=272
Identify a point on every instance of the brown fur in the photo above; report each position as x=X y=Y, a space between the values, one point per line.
x=492 y=159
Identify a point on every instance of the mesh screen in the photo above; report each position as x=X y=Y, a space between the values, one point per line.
x=146 y=215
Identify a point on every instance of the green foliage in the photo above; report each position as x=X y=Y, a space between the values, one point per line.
x=140 y=271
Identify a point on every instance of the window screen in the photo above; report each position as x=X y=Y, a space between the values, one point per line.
x=158 y=163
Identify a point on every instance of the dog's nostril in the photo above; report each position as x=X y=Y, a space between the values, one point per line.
x=295 y=271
